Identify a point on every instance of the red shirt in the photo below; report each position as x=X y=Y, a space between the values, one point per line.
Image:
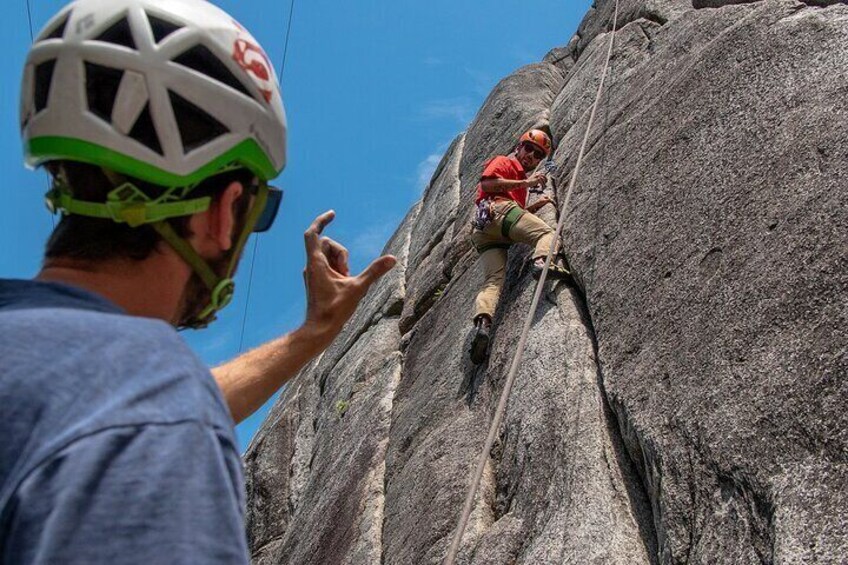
x=503 y=167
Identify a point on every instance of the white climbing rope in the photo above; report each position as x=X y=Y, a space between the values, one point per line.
x=256 y=237
x=522 y=342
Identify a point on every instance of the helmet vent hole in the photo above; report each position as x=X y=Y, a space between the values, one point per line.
x=202 y=60
x=145 y=132
x=101 y=87
x=59 y=30
x=43 y=80
x=197 y=128
x=161 y=28
x=119 y=34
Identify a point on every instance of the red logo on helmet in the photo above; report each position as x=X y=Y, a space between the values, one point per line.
x=255 y=63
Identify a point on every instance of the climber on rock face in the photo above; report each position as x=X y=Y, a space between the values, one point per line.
x=118 y=443
x=503 y=218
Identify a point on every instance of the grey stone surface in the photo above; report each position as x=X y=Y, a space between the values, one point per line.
x=341 y=505
x=710 y=232
x=385 y=299
x=563 y=57
x=565 y=490
x=277 y=461
x=573 y=104
x=718 y=3
x=426 y=284
x=438 y=206
x=686 y=403
x=431 y=237
x=599 y=19
x=434 y=432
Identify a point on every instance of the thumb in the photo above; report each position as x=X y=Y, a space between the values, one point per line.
x=377 y=269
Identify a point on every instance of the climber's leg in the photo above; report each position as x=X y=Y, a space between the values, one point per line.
x=493 y=254
x=534 y=231
x=494 y=269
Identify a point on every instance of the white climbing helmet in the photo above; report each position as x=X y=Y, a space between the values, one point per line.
x=167 y=91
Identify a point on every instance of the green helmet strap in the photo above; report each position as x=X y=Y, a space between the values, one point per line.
x=127 y=204
x=221 y=288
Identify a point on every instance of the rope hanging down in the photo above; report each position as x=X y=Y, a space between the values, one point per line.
x=519 y=353
x=256 y=239
x=32 y=40
x=29 y=20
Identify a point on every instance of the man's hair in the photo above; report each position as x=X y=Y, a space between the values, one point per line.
x=98 y=239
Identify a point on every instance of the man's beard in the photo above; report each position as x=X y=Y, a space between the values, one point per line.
x=196 y=295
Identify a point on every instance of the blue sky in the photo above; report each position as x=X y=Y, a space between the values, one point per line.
x=374 y=91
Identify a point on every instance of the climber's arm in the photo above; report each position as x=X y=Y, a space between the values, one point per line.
x=499 y=185
x=332 y=295
x=495 y=185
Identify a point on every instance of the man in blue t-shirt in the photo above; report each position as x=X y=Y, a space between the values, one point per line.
x=160 y=124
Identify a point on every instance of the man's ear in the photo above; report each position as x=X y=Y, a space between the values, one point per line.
x=222 y=219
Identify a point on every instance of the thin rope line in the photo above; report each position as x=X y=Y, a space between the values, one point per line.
x=52 y=214
x=522 y=342
x=29 y=19
x=32 y=40
x=288 y=35
x=247 y=298
x=256 y=240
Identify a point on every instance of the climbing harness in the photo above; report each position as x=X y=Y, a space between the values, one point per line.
x=484 y=215
x=510 y=219
x=522 y=342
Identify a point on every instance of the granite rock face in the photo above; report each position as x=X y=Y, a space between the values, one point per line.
x=685 y=402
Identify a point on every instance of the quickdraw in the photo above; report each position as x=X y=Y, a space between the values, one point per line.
x=484 y=215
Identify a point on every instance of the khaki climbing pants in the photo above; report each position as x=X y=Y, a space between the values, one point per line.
x=509 y=225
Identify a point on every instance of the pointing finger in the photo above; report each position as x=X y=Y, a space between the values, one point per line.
x=312 y=233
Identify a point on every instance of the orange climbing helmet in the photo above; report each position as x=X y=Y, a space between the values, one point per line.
x=538 y=138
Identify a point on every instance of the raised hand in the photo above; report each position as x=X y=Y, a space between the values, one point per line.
x=332 y=294
x=537 y=179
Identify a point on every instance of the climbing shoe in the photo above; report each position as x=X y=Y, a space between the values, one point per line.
x=554 y=271
x=480 y=343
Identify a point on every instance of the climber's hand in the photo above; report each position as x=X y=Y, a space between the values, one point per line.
x=331 y=293
x=537 y=179
x=537 y=205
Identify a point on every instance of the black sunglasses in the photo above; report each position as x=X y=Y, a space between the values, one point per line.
x=272 y=206
x=537 y=153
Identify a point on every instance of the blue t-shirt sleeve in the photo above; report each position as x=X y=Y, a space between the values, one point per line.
x=164 y=494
